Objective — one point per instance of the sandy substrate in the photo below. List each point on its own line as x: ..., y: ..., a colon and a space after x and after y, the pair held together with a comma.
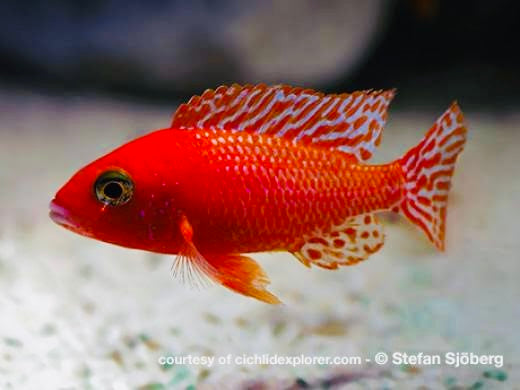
x: 76, y: 313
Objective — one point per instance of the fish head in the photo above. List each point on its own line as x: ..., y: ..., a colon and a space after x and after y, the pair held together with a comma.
x: 122, y: 198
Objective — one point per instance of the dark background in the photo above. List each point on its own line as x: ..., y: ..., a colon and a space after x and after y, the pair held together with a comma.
x: 431, y: 50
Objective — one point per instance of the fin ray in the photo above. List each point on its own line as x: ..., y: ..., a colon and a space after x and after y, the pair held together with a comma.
x: 191, y: 268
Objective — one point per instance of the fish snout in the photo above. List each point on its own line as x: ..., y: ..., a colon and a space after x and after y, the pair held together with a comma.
x: 61, y: 215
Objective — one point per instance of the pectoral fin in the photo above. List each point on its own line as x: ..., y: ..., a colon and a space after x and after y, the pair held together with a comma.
x: 190, y: 266
x: 238, y: 273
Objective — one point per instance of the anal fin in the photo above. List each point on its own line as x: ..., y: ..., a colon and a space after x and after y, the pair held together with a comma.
x: 346, y: 244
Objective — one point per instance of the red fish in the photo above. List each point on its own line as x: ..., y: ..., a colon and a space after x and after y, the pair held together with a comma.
x: 257, y: 168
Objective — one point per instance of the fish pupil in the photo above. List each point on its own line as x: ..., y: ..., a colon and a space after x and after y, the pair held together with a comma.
x: 113, y: 190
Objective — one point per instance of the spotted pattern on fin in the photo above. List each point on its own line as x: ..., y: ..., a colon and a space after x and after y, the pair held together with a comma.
x: 346, y: 244
x: 351, y: 123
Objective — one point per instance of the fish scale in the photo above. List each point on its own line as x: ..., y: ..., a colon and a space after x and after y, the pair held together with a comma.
x: 326, y: 189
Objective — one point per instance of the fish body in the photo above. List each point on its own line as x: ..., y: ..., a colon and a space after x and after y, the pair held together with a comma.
x: 257, y: 168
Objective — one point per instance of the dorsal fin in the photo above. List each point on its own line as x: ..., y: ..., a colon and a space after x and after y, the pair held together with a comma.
x: 351, y: 123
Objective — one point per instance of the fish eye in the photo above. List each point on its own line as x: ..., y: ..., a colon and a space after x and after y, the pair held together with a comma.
x: 114, y: 188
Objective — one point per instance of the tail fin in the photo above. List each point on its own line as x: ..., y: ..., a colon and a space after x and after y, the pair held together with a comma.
x: 428, y: 168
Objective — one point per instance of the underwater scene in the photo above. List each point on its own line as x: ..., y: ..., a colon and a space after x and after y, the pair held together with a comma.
x: 214, y: 195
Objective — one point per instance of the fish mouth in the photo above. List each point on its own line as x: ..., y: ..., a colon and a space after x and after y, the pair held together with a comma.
x: 61, y: 216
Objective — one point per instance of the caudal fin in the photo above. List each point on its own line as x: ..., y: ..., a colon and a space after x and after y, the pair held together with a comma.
x: 428, y: 168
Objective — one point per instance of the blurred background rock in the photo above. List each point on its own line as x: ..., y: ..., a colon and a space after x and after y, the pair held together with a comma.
x: 164, y: 49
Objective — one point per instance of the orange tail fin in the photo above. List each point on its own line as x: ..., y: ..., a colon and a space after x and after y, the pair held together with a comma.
x: 428, y: 168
